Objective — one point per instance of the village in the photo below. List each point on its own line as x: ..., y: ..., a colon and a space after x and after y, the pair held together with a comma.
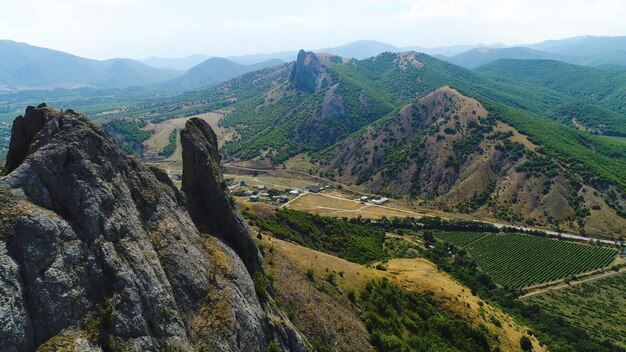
x: 282, y: 196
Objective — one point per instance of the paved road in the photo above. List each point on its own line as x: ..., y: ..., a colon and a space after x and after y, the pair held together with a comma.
x: 416, y: 214
x: 562, y: 234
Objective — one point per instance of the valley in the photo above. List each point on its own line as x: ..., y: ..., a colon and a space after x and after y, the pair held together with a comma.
x: 363, y: 198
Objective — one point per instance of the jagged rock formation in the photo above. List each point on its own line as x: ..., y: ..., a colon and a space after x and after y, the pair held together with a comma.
x: 22, y: 134
x: 98, y: 252
x: 205, y: 189
x: 309, y: 74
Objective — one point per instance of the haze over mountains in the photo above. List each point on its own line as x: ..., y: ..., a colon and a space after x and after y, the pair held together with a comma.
x: 28, y: 67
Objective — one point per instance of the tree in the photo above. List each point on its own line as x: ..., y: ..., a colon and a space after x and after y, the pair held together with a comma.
x: 525, y: 343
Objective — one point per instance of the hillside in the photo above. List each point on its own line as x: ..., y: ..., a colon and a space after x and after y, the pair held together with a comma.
x: 481, y: 56
x: 588, y: 50
x: 447, y: 149
x: 179, y: 63
x: 212, y: 71
x: 320, y: 100
x: 29, y: 67
x: 127, y: 261
x: 604, y: 87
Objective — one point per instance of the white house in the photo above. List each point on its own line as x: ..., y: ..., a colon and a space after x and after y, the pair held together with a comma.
x: 380, y: 201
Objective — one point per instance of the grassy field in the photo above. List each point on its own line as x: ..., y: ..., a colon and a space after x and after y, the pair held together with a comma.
x: 516, y: 261
x: 599, y: 307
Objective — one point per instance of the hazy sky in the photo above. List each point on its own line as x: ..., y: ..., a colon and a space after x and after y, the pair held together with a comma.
x: 172, y: 28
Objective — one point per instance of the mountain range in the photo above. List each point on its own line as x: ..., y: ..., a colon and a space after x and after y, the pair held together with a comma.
x: 28, y: 67
x: 407, y: 124
x: 588, y: 51
x: 106, y: 248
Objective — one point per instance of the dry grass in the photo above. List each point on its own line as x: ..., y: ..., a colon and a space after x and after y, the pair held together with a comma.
x: 300, y: 162
x: 334, y: 204
x: 517, y: 137
x: 317, y: 307
x: 422, y: 275
x: 162, y: 131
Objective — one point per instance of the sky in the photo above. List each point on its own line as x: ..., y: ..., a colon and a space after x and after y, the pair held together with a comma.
x: 104, y: 29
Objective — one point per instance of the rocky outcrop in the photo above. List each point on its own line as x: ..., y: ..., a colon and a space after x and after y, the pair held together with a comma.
x: 98, y: 252
x: 210, y: 207
x: 23, y: 132
x: 309, y: 74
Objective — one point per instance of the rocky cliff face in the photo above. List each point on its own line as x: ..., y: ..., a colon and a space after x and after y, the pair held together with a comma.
x: 98, y: 251
x: 310, y: 73
x: 207, y: 194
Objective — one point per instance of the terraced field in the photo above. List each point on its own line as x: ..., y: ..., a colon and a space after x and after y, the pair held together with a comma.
x: 516, y: 261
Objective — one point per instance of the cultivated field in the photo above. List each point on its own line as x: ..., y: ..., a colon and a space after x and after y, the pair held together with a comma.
x: 516, y: 261
x: 460, y: 238
x: 599, y: 307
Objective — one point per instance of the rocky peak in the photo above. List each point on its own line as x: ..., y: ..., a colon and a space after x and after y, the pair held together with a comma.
x: 208, y: 201
x: 309, y: 73
x: 23, y: 133
x: 98, y: 251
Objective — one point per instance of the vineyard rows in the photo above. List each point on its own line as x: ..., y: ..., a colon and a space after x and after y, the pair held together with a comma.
x: 515, y: 260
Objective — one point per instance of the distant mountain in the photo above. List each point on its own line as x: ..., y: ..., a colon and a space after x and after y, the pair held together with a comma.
x: 450, y: 50
x: 252, y: 59
x: 179, y: 63
x: 213, y: 71
x: 30, y: 67
x: 589, y: 50
x: 480, y: 56
x: 361, y: 49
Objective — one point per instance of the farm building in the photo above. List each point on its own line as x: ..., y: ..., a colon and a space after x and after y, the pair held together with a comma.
x: 380, y: 201
x: 295, y: 192
x: 282, y: 199
x: 254, y: 198
x: 314, y: 189
x: 248, y: 193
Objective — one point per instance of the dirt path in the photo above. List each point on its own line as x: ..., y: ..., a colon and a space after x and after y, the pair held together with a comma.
x: 573, y: 283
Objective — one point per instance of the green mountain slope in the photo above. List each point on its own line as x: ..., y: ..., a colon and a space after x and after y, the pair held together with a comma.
x: 212, y: 71
x: 589, y: 50
x: 521, y: 161
x: 603, y: 87
x: 27, y: 66
x: 481, y: 56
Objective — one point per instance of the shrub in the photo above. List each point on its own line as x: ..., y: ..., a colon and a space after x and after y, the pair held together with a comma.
x: 525, y: 343
x: 310, y: 275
